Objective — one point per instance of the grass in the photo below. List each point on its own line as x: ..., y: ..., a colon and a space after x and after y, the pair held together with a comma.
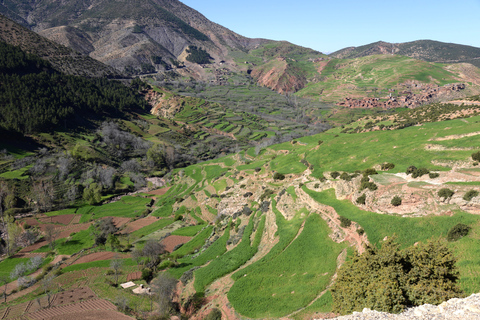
x: 190, y: 231
x: 407, y: 230
x: 231, y: 260
x: 213, y: 251
x: 196, y: 243
x: 128, y: 206
x: 97, y: 264
x: 292, y: 278
x: 80, y: 240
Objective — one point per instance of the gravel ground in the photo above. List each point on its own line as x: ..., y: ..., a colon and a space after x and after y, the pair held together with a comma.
x: 453, y: 309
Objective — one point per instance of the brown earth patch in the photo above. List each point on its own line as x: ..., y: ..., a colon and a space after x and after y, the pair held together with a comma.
x: 139, y: 224
x: 62, y: 219
x: 159, y: 192
x: 94, y: 315
x: 171, y: 242
x: 120, y: 221
x: 97, y: 256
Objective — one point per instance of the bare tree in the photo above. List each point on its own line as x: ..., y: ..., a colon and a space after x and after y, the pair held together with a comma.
x: 163, y: 289
x: 47, y: 286
x: 51, y: 235
x: 44, y: 194
x: 4, y: 280
x: 116, y: 265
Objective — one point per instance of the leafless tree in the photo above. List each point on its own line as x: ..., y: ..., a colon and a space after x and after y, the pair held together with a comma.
x: 116, y: 264
x: 51, y: 235
x: 163, y: 289
x: 44, y: 194
x: 4, y: 280
x: 48, y: 286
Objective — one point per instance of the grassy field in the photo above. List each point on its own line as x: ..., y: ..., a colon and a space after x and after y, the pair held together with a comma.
x: 290, y: 279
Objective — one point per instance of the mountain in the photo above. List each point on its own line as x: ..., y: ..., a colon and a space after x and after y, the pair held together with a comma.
x: 63, y: 59
x: 427, y: 50
x: 159, y: 36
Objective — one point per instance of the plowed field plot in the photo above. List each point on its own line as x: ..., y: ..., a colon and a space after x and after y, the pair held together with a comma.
x: 159, y: 192
x: 94, y: 315
x: 139, y: 224
x: 32, y: 222
x: 97, y: 256
x: 62, y: 219
x: 73, y: 296
x: 120, y: 221
x: 171, y: 242
x: 64, y: 311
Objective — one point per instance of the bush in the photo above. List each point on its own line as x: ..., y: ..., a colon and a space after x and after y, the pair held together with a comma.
x: 387, y: 166
x: 411, y: 169
x: 345, y: 222
x: 361, y: 231
x: 147, y: 275
x: 361, y: 199
x: 278, y: 176
x: 396, y: 201
x: 420, y: 172
x: 317, y: 185
x: 320, y: 142
x: 369, y: 172
x: 215, y: 314
x: 346, y: 177
x: 334, y: 174
x: 470, y: 195
x: 368, y: 185
x: 458, y: 231
x: 476, y: 156
x: 389, y: 279
x: 433, y: 175
x: 445, y: 193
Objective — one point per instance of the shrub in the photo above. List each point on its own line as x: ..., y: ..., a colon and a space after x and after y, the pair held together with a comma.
x: 411, y: 169
x: 345, y: 176
x: 334, y: 174
x: 345, y: 222
x: 320, y: 142
x: 278, y: 176
x: 420, y: 172
x: 445, y: 193
x: 470, y: 195
x: 360, y: 232
x: 387, y: 166
x: 389, y: 279
x: 433, y: 175
x: 147, y: 275
x: 215, y: 314
x: 475, y: 163
x: 476, y: 156
x: 458, y: 231
x: 317, y: 185
x: 366, y: 184
x: 396, y: 201
x: 258, y: 169
x: 369, y: 172
x: 361, y: 199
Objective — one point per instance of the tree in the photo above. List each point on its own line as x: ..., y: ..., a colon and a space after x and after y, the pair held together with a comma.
x: 51, y: 235
x: 476, y: 156
x: 116, y: 265
x: 152, y: 251
x: 47, y: 286
x: 4, y: 280
x: 445, y: 193
x: 396, y: 201
x: 163, y: 289
x: 44, y: 194
x: 113, y: 241
x: 92, y: 194
x: 389, y: 279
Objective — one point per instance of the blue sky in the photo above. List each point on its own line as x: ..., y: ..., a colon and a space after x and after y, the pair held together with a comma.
x: 328, y: 26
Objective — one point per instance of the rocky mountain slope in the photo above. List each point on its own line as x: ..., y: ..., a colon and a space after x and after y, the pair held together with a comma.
x: 427, y: 50
x: 62, y: 58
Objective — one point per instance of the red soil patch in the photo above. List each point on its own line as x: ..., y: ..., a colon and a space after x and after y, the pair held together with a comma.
x: 120, y: 221
x: 73, y: 296
x: 95, y: 314
x: 62, y: 219
x: 159, y: 192
x: 134, y: 276
x: 139, y: 224
x: 171, y: 242
x: 32, y: 222
x: 97, y: 256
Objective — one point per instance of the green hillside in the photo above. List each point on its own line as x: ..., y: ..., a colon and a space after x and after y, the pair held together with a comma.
x: 369, y: 76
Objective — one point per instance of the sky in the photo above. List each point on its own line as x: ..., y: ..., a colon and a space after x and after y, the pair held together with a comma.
x: 328, y: 26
